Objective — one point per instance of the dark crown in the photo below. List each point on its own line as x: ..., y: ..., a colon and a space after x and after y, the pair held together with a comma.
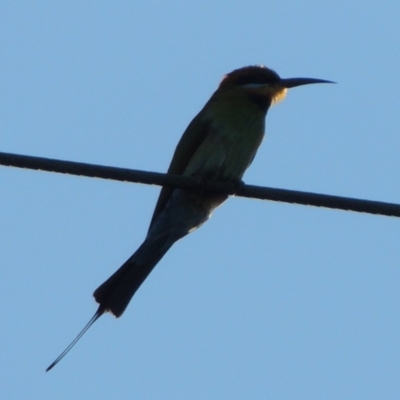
x: 250, y: 75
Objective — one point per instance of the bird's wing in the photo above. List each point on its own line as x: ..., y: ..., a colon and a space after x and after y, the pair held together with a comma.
x: 190, y: 141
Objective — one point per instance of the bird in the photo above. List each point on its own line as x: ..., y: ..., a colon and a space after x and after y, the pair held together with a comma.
x: 218, y: 145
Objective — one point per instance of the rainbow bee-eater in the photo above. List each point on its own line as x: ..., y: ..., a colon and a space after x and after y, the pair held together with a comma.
x: 218, y: 145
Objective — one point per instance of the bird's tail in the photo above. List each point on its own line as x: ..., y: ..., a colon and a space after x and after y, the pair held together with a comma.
x: 117, y: 291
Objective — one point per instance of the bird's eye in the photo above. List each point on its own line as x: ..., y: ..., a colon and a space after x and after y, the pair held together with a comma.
x: 254, y: 85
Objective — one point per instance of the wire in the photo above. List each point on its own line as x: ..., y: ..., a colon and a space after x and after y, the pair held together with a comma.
x: 242, y: 190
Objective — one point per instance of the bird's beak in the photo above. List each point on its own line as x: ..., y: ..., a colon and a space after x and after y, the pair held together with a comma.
x: 293, y: 82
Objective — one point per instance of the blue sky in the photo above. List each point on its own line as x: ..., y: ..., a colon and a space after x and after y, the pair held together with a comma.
x: 264, y: 301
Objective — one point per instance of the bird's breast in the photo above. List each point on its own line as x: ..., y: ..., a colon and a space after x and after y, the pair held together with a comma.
x: 227, y: 150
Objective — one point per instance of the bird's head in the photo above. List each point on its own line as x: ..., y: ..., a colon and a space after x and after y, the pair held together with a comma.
x: 262, y: 84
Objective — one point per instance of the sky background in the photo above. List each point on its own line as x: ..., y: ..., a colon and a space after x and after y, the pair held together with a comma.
x: 266, y: 300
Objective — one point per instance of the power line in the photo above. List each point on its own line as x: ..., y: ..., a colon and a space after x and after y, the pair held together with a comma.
x: 155, y: 178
